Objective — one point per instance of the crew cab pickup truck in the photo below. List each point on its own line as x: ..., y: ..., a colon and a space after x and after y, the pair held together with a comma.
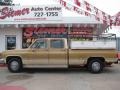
x: 59, y: 53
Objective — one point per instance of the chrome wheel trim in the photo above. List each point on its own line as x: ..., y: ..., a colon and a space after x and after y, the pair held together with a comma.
x: 95, y: 66
x: 14, y: 65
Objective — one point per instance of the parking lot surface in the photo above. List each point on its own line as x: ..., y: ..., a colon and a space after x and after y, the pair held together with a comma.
x: 60, y: 79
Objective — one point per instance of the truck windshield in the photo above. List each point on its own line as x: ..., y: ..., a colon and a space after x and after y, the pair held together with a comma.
x: 39, y: 44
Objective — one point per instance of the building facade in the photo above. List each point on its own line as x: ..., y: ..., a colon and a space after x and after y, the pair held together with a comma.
x: 23, y: 25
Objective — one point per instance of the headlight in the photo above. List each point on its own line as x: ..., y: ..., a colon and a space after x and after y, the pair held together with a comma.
x: 0, y: 55
x: 1, y: 59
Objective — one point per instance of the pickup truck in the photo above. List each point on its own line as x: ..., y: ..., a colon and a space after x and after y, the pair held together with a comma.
x: 59, y: 53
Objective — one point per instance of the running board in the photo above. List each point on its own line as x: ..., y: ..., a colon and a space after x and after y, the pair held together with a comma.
x: 45, y: 66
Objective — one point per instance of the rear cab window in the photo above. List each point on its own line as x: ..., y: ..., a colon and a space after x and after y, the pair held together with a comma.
x: 56, y: 43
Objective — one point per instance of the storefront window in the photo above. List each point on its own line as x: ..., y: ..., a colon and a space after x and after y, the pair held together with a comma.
x: 30, y: 34
x: 81, y: 33
x: 10, y: 42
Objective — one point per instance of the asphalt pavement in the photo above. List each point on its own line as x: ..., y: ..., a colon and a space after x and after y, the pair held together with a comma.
x: 60, y: 79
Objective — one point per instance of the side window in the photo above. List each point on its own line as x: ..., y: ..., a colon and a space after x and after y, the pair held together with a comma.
x: 39, y: 44
x: 57, y: 44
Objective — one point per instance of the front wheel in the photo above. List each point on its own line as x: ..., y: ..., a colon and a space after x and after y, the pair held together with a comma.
x: 95, y: 66
x: 14, y: 65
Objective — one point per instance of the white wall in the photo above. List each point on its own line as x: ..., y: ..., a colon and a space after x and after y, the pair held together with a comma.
x: 115, y: 30
x: 10, y: 31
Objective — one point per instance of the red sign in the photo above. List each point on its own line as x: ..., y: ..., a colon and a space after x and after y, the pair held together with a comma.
x: 9, y: 12
x: 29, y: 32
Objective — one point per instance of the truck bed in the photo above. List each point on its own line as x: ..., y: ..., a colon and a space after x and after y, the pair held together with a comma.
x: 110, y: 44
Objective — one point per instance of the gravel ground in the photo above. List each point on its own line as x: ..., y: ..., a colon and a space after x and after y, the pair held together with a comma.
x: 51, y: 79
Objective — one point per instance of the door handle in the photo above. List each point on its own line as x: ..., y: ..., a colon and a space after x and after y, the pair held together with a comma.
x: 33, y: 50
x: 63, y: 50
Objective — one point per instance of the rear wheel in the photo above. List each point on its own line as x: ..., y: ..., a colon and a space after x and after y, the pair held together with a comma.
x: 95, y: 66
x: 14, y: 65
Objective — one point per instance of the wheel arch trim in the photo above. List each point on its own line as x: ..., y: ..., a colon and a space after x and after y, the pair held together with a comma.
x: 10, y: 56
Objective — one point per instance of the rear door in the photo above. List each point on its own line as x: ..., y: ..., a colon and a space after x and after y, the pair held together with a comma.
x: 57, y: 53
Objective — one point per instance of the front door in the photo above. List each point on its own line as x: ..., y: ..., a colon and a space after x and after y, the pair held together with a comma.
x: 57, y: 53
x: 37, y: 54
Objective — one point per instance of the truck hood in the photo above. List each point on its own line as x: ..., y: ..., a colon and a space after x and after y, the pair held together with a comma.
x: 14, y: 51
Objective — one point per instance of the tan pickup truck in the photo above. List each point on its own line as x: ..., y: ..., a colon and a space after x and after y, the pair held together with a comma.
x: 57, y: 53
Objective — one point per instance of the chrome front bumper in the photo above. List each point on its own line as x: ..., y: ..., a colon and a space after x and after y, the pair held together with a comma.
x: 118, y: 61
x: 2, y: 61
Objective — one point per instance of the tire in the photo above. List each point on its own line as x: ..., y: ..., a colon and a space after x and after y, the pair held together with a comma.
x: 95, y: 66
x: 15, y: 65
